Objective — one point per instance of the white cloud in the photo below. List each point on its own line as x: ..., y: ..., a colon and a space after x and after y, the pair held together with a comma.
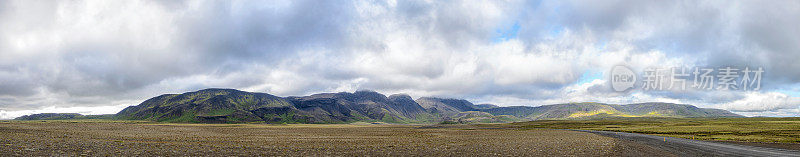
x: 775, y: 113
x: 95, y: 53
x: 760, y: 102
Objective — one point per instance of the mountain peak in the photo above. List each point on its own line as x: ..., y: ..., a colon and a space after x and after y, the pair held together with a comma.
x: 219, y: 90
x: 400, y: 96
x: 446, y: 106
x: 367, y: 92
x: 220, y: 105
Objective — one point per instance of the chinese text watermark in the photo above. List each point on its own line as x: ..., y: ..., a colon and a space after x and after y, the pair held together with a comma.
x: 682, y: 78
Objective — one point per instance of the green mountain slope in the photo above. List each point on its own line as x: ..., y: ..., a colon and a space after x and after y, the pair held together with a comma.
x: 483, y: 117
x: 657, y: 109
x: 362, y: 106
x: 600, y: 110
x: 206, y: 106
x: 234, y: 106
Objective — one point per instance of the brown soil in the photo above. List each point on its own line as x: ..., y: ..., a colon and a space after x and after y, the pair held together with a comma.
x: 105, y: 139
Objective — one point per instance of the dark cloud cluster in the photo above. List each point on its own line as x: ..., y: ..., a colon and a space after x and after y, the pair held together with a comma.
x: 83, y: 54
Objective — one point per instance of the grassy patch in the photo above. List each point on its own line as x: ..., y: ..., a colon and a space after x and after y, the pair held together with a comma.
x: 785, y: 130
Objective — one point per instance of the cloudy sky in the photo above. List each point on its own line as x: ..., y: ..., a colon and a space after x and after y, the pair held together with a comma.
x: 96, y: 57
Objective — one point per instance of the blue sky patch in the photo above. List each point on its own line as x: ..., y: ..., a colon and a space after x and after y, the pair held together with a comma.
x: 506, y: 33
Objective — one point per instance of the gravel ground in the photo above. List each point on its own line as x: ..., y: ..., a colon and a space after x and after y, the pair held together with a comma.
x: 114, y: 139
x: 688, y: 147
x: 787, y: 146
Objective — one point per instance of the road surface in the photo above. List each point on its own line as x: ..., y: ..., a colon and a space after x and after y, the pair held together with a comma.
x: 687, y: 147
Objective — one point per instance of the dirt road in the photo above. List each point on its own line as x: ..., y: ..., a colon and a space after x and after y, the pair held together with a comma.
x: 688, y: 147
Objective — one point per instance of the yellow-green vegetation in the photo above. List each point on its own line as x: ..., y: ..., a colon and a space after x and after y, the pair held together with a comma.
x: 654, y: 114
x: 597, y: 112
x: 785, y: 130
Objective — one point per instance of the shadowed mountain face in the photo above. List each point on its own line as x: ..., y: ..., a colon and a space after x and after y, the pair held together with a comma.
x: 361, y: 106
x: 234, y: 106
x: 407, y: 106
x: 446, y: 107
x: 208, y: 106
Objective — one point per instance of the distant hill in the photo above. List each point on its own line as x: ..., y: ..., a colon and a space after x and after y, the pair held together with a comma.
x: 599, y: 110
x: 483, y: 117
x: 49, y: 116
x: 658, y: 109
x: 235, y: 106
x: 62, y: 116
x: 517, y: 111
x: 485, y: 106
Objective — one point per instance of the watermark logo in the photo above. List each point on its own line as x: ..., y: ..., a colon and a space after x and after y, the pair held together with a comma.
x: 622, y: 78
x: 681, y: 78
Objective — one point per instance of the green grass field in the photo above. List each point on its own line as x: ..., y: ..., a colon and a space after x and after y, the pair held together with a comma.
x: 784, y: 130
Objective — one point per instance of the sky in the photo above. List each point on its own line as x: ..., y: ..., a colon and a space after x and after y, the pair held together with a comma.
x: 98, y: 57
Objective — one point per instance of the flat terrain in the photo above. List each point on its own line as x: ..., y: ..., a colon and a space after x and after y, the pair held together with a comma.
x: 102, y: 138
x: 766, y: 131
x: 688, y: 147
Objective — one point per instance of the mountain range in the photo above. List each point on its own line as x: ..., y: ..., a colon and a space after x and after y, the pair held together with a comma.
x: 235, y: 106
